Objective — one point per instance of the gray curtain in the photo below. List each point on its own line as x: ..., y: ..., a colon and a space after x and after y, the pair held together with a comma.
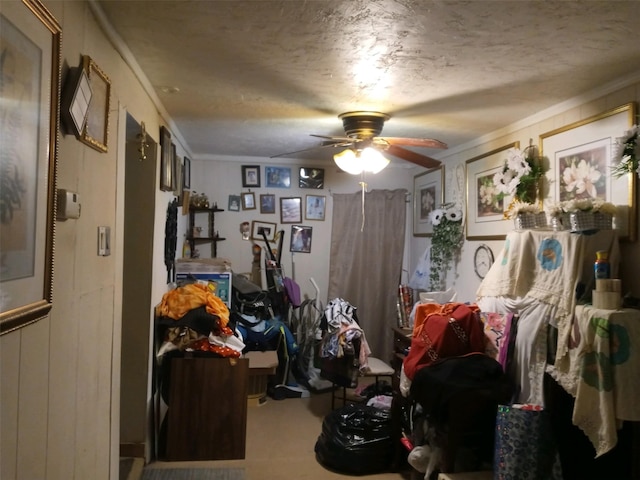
x: 366, y: 261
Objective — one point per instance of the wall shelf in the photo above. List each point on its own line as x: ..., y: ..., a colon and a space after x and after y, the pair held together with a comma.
x: 211, y: 233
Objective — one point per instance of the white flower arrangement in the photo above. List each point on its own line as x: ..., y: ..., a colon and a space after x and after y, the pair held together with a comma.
x: 581, y: 205
x: 626, y: 156
x: 521, y: 208
x: 520, y: 174
x: 446, y: 241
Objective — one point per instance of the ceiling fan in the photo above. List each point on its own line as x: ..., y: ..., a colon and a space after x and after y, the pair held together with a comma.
x: 362, y: 129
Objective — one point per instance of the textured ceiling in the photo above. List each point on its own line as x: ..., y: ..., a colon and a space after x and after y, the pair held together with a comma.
x: 256, y: 78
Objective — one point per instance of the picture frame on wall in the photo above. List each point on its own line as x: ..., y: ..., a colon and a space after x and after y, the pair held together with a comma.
x: 485, y: 210
x: 268, y: 228
x: 248, y: 201
x: 234, y: 203
x: 75, y: 100
x: 277, y: 177
x: 301, y: 237
x: 589, y: 144
x: 174, y: 168
x: 290, y: 210
x: 311, y: 178
x: 428, y: 194
x: 251, y: 175
x: 166, y: 160
x: 315, y: 207
x: 186, y: 176
x: 33, y: 39
x: 96, y: 128
x: 267, y: 203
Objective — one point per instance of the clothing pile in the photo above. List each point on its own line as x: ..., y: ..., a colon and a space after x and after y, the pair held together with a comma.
x: 195, y: 319
x: 344, y: 350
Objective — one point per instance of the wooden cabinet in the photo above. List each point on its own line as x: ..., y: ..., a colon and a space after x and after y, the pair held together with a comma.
x: 211, y: 234
x: 207, y: 410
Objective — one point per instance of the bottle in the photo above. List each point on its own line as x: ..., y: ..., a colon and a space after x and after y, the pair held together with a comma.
x: 601, y: 265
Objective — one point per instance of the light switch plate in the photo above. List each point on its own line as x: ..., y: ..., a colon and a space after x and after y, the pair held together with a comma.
x: 104, y: 241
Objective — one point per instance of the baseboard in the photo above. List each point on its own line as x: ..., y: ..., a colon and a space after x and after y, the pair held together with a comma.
x: 135, y: 450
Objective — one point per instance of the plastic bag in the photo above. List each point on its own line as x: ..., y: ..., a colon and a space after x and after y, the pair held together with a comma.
x: 420, y: 278
x: 356, y: 439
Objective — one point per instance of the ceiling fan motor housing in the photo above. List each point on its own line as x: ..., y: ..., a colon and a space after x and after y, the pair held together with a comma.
x: 363, y: 124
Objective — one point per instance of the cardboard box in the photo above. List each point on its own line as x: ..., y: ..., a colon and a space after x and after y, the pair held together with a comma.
x: 222, y: 282
x: 261, y: 365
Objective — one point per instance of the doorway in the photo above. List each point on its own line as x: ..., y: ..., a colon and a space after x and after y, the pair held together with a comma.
x: 139, y: 202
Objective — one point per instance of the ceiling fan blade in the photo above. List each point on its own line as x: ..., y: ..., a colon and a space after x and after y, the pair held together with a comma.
x: 411, y: 156
x: 414, y: 142
x: 336, y: 144
x: 335, y: 139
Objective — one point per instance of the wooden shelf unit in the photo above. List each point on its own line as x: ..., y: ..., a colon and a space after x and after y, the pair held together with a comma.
x: 211, y: 231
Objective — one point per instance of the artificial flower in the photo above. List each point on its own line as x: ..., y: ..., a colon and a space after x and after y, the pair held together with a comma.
x: 446, y: 241
x: 626, y: 156
x: 520, y: 174
x: 435, y: 216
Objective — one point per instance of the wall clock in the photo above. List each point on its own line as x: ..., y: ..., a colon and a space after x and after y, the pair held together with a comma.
x: 482, y: 260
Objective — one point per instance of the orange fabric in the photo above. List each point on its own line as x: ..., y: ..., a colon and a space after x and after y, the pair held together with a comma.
x: 442, y: 331
x: 177, y: 302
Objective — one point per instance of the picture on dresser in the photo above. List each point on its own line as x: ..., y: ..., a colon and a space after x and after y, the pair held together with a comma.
x: 485, y: 207
x: 581, y: 157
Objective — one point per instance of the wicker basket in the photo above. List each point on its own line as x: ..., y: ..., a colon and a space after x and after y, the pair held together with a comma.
x: 529, y: 221
x: 580, y: 221
x: 603, y: 221
x: 560, y: 222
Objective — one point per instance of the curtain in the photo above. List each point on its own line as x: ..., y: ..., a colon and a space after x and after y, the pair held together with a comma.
x: 366, y: 260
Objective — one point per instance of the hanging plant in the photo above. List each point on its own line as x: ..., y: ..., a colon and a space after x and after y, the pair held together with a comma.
x: 445, y: 243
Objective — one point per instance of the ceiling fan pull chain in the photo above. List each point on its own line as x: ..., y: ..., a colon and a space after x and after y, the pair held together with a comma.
x: 363, y: 184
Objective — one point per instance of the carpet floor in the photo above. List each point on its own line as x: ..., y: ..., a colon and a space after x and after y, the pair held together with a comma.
x: 193, y: 474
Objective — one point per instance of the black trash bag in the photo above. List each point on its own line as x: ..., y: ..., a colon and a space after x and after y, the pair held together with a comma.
x: 356, y: 439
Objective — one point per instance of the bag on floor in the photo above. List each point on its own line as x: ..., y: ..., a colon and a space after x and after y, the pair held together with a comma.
x: 356, y: 439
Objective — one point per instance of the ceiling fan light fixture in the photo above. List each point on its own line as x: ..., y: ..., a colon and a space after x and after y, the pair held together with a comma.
x: 356, y: 162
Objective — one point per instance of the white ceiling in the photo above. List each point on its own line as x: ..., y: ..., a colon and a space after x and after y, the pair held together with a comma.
x: 256, y: 78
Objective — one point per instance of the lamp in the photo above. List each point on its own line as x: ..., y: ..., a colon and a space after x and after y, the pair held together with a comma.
x: 358, y: 161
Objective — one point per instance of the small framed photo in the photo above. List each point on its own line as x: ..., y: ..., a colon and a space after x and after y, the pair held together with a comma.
x: 96, y: 127
x: 314, y: 207
x: 290, y: 210
x: 277, y: 177
x: 311, y: 178
x: 166, y: 160
x: 267, y: 203
x: 300, y: 239
x: 258, y: 228
x: 248, y: 201
x: 234, y: 203
x: 251, y: 175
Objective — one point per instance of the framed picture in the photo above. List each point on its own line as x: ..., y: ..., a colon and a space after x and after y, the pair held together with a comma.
x: 75, y: 100
x: 251, y: 176
x: 277, y: 177
x: 248, y: 201
x: 179, y: 172
x: 186, y: 174
x: 311, y: 177
x: 314, y: 207
x: 234, y: 203
x: 269, y: 229
x: 291, y: 210
x: 166, y: 160
x: 96, y: 128
x: 587, y: 147
x: 174, y: 168
x: 267, y: 203
x: 485, y: 211
x: 32, y: 39
x: 300, y: 239
x: 428, y: 195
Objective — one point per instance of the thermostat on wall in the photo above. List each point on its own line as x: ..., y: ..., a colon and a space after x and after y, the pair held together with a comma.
x: 68, y: 205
